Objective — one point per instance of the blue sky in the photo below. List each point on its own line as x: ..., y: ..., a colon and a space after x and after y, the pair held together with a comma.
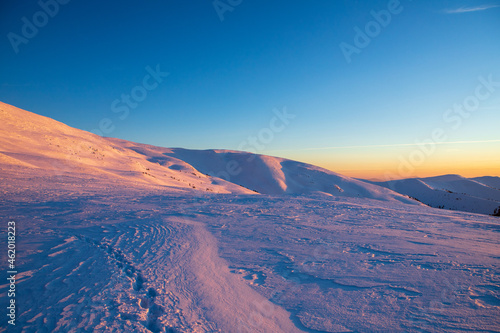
x: 227, y: 76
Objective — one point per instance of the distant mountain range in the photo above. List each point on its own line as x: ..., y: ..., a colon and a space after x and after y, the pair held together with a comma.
x: 477, y: 195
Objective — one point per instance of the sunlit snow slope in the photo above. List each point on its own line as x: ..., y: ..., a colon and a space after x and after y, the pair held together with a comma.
x: 40, y: 147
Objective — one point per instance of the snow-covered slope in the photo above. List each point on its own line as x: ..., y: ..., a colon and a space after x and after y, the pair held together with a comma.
x: 115, y: 236
x: 32, y: 146
x: 181, y: 262
x: 493, y: 182
x: 476, y: 195
x: 36, y: 146
x: 274, y: 175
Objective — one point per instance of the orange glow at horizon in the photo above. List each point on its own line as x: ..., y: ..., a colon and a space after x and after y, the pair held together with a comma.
x: 379, y: 175
x: 387, y: 163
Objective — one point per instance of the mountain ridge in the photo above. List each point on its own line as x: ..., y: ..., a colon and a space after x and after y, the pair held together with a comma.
x: 48, y: 151
x: 475, y: 195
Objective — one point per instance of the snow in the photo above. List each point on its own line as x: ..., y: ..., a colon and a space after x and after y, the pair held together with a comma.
x: 493, y: 182
x: 232, y: 263
x: 110, y: 242
x: 476, y: 195
x: 273, y: 175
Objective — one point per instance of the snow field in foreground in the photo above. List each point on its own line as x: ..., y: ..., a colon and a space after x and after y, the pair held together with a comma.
x: 246, y: 263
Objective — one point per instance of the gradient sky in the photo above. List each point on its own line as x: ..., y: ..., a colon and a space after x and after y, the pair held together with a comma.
x: 234, y: 64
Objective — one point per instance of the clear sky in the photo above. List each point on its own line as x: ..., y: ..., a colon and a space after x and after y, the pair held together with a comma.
x: 352, y: 86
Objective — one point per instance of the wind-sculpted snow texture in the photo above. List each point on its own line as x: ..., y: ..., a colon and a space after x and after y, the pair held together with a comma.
x: 114, y: 236
x: 245, y: 263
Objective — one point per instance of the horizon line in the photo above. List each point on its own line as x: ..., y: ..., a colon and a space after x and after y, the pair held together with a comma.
x: 388, y: 145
